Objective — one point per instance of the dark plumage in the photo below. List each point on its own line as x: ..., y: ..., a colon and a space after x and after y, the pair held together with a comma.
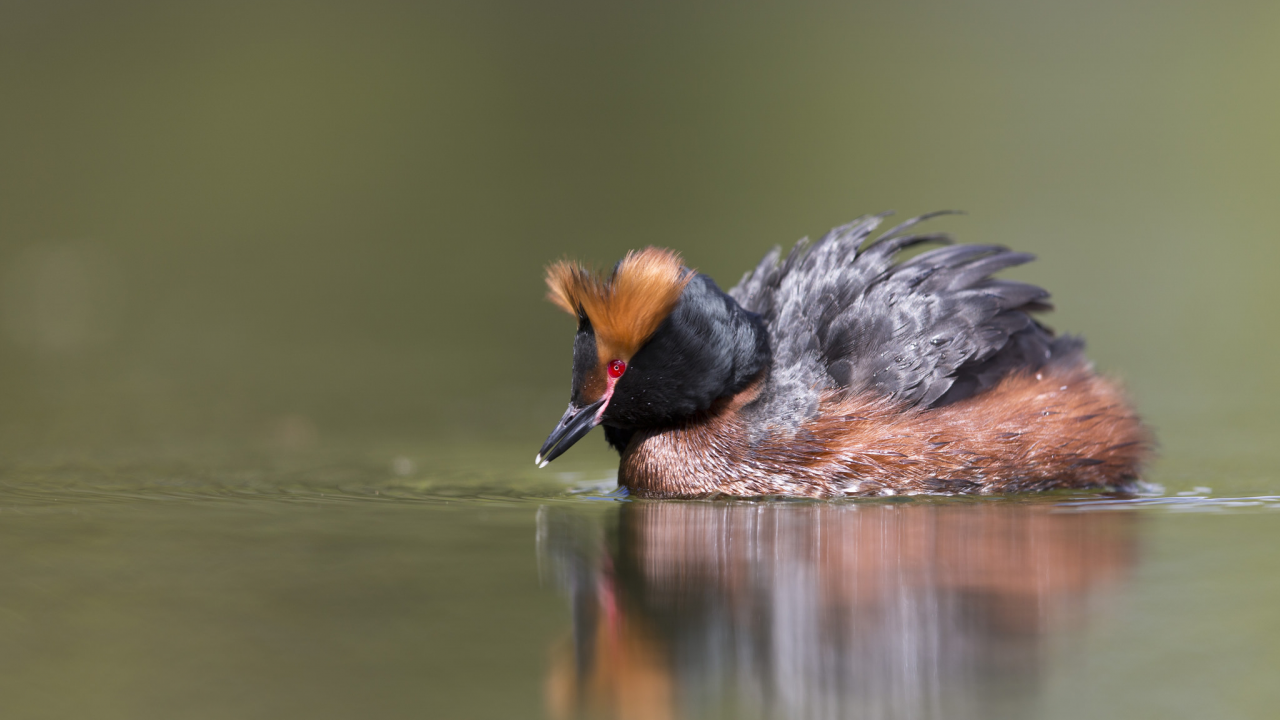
x: 839, y: 371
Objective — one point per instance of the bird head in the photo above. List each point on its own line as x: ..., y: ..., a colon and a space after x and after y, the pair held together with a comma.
x: 655, y: 342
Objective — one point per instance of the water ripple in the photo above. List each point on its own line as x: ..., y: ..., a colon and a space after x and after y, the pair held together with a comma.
x: 73, y: 485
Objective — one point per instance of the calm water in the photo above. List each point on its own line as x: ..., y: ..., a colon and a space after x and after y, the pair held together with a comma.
x: 320, y: 585
x: 274, y: 362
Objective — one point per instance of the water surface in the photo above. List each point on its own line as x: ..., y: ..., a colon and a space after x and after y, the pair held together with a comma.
x: 346, y: 587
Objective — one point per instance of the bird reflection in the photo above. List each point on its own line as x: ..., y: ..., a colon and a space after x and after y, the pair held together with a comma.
x: 800, y: 610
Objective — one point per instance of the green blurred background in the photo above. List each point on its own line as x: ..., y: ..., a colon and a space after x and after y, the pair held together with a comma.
x: 314, y: 220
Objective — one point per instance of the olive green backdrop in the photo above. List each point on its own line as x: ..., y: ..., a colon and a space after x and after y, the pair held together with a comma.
x: 228, y: 220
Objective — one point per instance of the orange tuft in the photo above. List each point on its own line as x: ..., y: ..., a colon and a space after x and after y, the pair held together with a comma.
x: 626, y: 308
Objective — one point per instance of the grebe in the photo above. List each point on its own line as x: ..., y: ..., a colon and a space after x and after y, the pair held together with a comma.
x: 838, y: 371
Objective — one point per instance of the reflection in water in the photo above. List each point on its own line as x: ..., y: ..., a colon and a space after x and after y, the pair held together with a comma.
x: 803, y: 610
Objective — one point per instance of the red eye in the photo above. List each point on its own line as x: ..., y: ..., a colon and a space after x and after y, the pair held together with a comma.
x: 616, y: 368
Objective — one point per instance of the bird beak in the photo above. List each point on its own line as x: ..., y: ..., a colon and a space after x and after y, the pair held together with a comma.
x: 575, y: 424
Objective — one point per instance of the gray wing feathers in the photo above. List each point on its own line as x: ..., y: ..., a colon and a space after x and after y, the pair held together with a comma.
x: 843, y: 313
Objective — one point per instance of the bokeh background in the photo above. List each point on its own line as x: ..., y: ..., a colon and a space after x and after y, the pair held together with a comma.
x: 304, y: 222
x: 278, y: 250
